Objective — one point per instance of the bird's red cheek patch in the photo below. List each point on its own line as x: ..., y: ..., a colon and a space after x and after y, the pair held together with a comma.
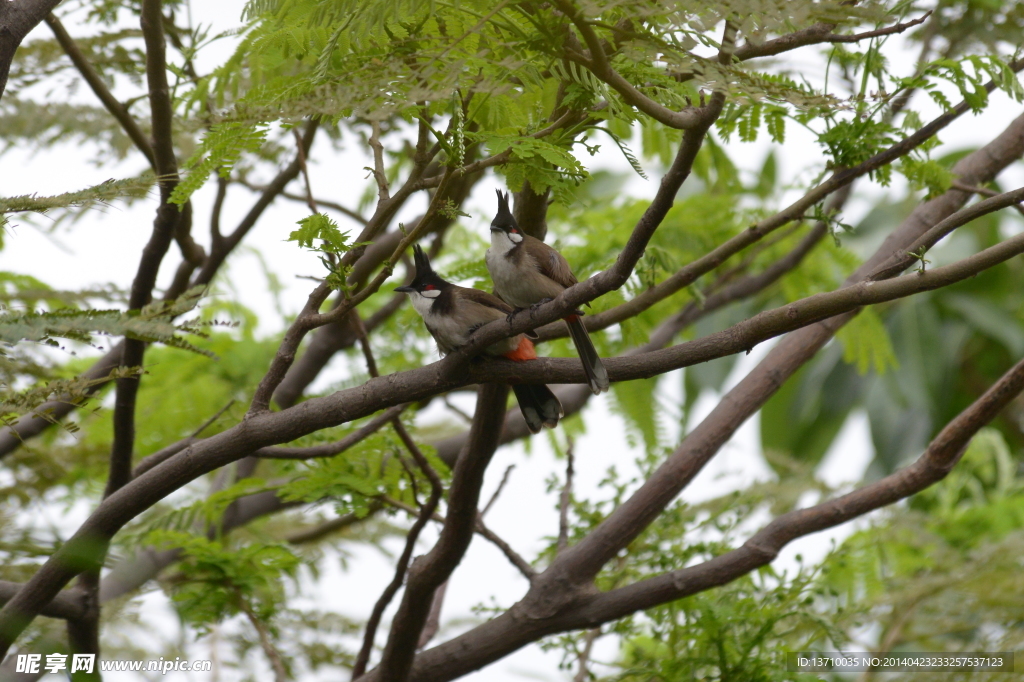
x: 525, y: 351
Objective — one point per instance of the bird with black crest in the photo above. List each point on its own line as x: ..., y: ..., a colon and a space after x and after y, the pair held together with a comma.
x: 452, y: 313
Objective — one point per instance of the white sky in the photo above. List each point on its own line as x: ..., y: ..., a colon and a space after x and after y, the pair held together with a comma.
x: 104, y: 247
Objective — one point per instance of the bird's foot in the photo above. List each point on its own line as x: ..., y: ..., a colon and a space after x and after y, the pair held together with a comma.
x: 538, y: 304
x: 512, y: 315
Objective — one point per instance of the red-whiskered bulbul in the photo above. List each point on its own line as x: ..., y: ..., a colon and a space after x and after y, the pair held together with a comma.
x: 527, y: 272
x: 452, y: 313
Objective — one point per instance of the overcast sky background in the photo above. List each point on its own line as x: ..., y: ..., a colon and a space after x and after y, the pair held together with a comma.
x: 104, y: 247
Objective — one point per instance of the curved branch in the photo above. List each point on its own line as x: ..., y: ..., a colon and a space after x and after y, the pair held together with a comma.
x: 687, y: 119
x: 937, y: 461
x: 116, y: 109
x: 18, y: 19
x: 817, y: 34
x: 428, y: 573
x: 556, y: 590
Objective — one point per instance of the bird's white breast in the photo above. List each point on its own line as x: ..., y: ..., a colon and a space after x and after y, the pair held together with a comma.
x: 447, y: 330
x: 505, y: 273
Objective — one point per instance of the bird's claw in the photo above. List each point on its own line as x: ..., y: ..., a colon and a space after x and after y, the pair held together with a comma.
x: 539, y: 304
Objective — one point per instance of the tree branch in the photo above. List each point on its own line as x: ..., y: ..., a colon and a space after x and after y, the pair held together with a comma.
x: 555, y: 591
x: 173, y: 449
x: 17, y: 19
x: 428, y: 573
x: 937, y: 461
x: 564, y: 499
x: 598, y: 64
x: 574, y: 297
x: 95, y: 82
x: 337, y: 447
x: 428, y: 509
x: 817, y: 34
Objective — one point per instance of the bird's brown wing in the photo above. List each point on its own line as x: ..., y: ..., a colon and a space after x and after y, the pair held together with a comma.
x: 551, y: 263
x: 491, y: 301
x: 485, y: 299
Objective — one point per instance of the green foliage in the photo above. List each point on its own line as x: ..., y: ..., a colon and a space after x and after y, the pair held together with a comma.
x: 333, y: 243
x: 221, y: 149
x: 741, y: 632
x: 152, y: 323
x: 74, y: 391
x: 89, y: 197
x: 355, y: 480
x: 926, y: 175
x: 218, y: 581
x: 637, y: 403
x: 866, y: 343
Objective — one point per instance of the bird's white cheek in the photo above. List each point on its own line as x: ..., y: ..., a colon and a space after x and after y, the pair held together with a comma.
x: 421, y: 303
x: 515, y: 237
x: 431, y: 294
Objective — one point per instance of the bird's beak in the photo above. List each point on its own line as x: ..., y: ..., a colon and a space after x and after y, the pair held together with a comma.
x: 405, y: 289
x: 495, y: 228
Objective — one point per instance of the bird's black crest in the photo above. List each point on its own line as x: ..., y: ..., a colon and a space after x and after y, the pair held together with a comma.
x: 503, y: 209
x: 422, y: 262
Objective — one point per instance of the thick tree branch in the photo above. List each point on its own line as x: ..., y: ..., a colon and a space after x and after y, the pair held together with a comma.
x: 17, y: 19
x: 937, y: 461
x: 337, y: 447
x: 519, y: 625
x: 590, y: 289
x: 429, y: 572
x: 555, y: 591
x: 173, y: 449
x: 318, y: 413
x: 69, y: 604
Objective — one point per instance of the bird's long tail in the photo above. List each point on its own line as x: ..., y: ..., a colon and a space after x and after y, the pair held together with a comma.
x: 597, y: 375
x: 540, y: 407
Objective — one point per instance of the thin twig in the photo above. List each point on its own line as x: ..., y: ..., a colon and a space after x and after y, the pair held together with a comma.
x: 513, y: 556
x: 273, y: 655
x: 480, y: 529
x: 338, y: 446
x: 173, y: 449
x: 433, y: 623
x: 497, y: 491
x: 565, y: 498
x: 326, y: 528
x: 301, y: 155
x: 583, y: 674
x: 983, y: 191
x: 455, y: 408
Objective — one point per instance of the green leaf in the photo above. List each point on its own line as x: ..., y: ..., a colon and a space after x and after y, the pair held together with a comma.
x: 866, y: 343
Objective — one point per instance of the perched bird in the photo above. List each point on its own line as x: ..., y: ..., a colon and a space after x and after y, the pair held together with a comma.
x: 452, y: 313
x: 528, y: 272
